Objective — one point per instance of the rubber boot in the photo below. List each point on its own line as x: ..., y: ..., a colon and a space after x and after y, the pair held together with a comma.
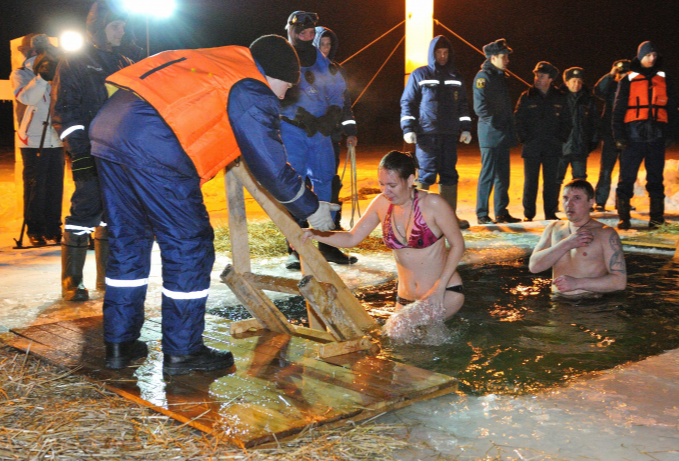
x: 657, y: 212
x: 73, y: 254
x: 449, y: 194
x: 101, y: 253
x: 334, y: 255
x: 623, y: 213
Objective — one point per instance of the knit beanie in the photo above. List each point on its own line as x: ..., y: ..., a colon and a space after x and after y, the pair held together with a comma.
x: 277, y: 57
x: 645, y: 48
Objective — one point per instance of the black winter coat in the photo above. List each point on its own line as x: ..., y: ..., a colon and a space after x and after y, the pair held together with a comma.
x: 543, y: 122
x: 585, y: 120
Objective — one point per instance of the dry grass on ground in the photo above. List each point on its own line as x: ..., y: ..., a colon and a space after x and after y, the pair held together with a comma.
x: 51, y: 413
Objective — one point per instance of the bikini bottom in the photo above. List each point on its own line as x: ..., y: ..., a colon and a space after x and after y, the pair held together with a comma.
x: 453, y: 288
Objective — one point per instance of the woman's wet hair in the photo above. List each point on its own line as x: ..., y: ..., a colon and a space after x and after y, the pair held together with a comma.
x: 403, y: 163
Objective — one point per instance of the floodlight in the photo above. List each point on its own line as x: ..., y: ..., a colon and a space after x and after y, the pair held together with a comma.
x: 71, y: 41
x: 157, y: 8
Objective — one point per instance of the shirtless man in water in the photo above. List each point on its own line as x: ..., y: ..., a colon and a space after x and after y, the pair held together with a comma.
x: 585, y: 255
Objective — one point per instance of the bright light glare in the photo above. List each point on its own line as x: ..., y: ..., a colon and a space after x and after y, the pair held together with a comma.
x: 158, y: 8
x: 71, y: 41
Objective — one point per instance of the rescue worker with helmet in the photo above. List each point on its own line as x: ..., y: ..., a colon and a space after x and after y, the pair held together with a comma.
x: 311, y: 111
x: 644, y: 125
x: 177, y: 119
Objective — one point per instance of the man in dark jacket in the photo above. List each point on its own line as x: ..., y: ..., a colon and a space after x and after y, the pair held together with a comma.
x: 543, y: 123
x: 497, y: 135
x: 78, y: 92
x: 644, y: 124
x: 605, y: 90
x: 434, y: 113
x: 585, y: 126
x: 155, y: 145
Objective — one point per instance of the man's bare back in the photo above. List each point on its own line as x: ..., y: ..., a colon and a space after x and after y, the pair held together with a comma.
x: 585, y: 255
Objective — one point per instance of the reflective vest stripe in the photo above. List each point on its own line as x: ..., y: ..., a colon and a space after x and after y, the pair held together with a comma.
x: 428, y: 82
x: 126, y: 283
x: 182, y: 295
x: 453, y: 82
x: 70, y: 130
x: 407, y: 117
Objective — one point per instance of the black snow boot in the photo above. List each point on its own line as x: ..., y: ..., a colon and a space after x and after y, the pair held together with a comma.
x: 624, y: 213
x: 73, y: 254
x: 101, y: 254
x: 206, y: 359
x: 657, y: 212
x: 119, y: 355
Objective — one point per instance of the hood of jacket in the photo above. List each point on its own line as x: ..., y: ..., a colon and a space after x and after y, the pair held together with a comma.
x: 334, y: 41
x: 102, y: 14
x: 440, y: 42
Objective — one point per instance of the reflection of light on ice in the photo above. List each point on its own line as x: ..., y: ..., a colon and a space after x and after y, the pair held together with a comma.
x: 670, y: 180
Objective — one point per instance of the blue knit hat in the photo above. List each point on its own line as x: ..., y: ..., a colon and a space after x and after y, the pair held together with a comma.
x: 646, y: 48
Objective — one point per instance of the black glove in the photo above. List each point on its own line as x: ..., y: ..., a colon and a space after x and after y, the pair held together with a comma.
x: 306, y: 121
x: 45, y: 65
x: 82, y: 166
x: 327, y: 123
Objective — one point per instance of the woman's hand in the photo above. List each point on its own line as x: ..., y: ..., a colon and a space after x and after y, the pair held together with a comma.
x: 308, y: 235
x: 434, y: 297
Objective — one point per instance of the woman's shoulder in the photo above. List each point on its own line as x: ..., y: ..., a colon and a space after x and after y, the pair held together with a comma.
x: 429, y: 200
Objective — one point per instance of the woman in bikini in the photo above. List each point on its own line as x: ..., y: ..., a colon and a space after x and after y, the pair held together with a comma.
x: 414, y: 223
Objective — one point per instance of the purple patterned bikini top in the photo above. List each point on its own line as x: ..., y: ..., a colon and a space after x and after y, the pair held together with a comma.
x: 420, y: 235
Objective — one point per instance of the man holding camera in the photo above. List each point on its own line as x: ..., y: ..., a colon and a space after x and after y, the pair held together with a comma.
x: 41, y: 150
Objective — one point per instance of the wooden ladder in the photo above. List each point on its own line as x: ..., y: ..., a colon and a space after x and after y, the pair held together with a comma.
x: 338, y: 321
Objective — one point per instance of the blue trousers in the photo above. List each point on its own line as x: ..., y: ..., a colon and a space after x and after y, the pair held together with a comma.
x: 43, y: 190
x: 550, y: 189
x: 494, y: 172
x: 653, y: 156
x: 142, y: 205
x: 437, y: 155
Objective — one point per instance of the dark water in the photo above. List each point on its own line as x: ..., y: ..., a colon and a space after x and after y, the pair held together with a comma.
x: 510, y: 337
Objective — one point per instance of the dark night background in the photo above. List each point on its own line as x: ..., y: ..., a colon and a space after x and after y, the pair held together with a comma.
x: 591, y: 34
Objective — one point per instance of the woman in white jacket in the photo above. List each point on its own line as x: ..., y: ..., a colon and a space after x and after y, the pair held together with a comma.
x: 43, y: 172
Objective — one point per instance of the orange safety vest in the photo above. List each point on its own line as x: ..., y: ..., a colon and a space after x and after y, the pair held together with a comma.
x: 647, y: 98
x: 190, y: 90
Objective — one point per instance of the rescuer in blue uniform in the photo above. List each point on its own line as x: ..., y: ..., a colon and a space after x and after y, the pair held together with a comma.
x: 151, y: 165
x: 493, y: 106
x: 311, y: 111
x: 78, y: 92
x: 644, y: 125
x: 434, y: 110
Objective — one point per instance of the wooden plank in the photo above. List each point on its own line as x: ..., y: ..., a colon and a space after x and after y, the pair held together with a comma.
x: 256, y: 302
x: 322, y: 298
x: 317, y: 263
x: 238, y: 223
x: 347, y: 347
x: 273, y: 283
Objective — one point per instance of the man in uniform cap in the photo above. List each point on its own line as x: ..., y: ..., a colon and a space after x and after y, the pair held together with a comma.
x: 584, y: 136
x: 605, y: 90
x: 543, y: 123
x: 162, y: 135
x: 644, y: 125
x: 493, y: 106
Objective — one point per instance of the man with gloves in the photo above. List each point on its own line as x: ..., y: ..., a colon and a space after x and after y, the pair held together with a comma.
x: 311, y: 111
x: 176, y: 120
x: 41, y: 150
x: 644, y: 125
x: 78, y: 93
x: 434, y: 111
x: 493, y: 106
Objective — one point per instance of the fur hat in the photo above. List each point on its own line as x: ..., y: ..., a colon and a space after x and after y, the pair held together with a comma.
x: 573, y: 72
x: 277, y: 57
x: 497, y: 47
x: 543, y: 67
